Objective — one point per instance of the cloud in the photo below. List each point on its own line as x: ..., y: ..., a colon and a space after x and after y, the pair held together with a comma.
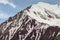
x: 5, y: 2
x: 4, y: 15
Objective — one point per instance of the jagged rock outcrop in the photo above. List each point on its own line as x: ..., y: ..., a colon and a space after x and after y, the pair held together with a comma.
x: 40, y: 21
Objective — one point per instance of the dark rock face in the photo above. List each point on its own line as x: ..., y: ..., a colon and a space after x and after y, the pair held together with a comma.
x: 23, y: 27
x: 30, y: 30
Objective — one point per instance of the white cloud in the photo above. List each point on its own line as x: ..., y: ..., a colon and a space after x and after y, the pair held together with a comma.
x: 7, y: 2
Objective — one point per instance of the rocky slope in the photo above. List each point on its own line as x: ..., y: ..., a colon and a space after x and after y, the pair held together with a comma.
x: 40, y: 21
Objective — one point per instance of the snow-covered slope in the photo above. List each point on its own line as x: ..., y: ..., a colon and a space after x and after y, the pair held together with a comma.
x: 44, y: 10
x: 40, y: 21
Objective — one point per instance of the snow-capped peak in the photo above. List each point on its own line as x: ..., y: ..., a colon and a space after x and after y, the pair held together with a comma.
x: 45, y: 13
x: 40, y: 21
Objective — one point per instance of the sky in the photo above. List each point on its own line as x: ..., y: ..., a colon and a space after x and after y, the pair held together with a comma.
x: 11, y: 7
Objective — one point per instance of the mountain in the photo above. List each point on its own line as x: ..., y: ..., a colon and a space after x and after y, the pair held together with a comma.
x: 39, y: 21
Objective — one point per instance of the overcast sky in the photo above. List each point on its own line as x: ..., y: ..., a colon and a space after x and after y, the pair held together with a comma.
x: 11, y: 7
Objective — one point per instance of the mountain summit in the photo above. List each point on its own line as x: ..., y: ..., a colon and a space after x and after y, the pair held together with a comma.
x: 39, y: 21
